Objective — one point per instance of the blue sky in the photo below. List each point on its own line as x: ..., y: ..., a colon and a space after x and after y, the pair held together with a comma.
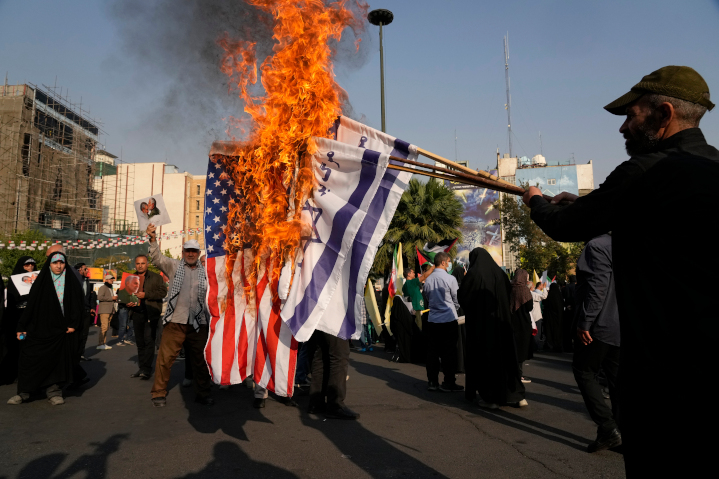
x: 444, y: 72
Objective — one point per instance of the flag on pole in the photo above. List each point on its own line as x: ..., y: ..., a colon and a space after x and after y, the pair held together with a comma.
x: 349, y: 218
x: 535, y: 278
x: 247, y: 335
x: 371, y: 304
x: 392, y: 289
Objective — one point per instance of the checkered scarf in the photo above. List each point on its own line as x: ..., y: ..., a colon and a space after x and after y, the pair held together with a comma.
x: 197, y: 311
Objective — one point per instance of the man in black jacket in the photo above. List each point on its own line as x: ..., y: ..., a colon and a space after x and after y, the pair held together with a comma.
x: 146, y: 314
x: 596, y: 327
x: 641, y: 203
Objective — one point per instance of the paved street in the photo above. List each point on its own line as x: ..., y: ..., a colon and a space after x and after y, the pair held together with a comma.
x: 110, y: 429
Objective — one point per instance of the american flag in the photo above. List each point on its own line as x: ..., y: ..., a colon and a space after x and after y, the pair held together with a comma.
x: 247, y: 335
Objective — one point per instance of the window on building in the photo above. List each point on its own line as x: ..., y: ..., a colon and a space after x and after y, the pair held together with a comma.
x: 198, y: 192
x: 197, y: 205
x: 197, y: 220
x: 552, y: 181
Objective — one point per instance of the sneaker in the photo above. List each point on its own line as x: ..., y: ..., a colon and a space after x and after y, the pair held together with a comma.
x: 451, y: 388
x: 120, y: 343
x: 526, y: 380
x: 56, y: 400
x: 159, y: 402
x: 17, y: 399
x: 128, y: 342
x: 432, y: 386
x: 186, y: 383
x: 104, y: 346
x: 523, y: 403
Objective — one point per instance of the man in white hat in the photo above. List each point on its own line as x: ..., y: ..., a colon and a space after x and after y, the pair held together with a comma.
x: 185, y: 321
x: 107, y: 298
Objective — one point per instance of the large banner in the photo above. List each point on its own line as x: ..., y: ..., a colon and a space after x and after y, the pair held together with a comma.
x: 481, y: 221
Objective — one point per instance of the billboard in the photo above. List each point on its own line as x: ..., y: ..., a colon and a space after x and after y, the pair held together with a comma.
x: 481, y: 221
x: 552, y: 180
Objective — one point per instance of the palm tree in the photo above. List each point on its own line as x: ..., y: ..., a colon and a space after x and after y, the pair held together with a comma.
x: 427, y: 213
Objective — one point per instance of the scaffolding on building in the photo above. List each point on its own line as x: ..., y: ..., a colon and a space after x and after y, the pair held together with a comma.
x: 55, y: 174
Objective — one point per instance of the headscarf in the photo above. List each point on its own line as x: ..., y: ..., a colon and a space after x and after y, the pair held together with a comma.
x: 520, y: 293
x: 554, y: 299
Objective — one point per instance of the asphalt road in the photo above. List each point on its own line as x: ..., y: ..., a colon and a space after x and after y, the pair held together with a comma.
x: 110, y: 429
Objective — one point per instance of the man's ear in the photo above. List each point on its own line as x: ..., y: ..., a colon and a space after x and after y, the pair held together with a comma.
x: 667, y: 114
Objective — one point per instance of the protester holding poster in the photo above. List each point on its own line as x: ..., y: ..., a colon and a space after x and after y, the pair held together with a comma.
x: 16, y: 304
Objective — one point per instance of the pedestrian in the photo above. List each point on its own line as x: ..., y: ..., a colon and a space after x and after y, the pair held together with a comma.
x: 554, y: 318
x: 491, y: 358
x: 48, y: 352
x: 328, y: 387
x: 596, y: 326
x: 145, y: 314
x: 635, y: 203
x: 442, y: 326
x: 14, y: 310
x: 185, y: 321
x: 107, y: 299
x: 539, y: 293
x: 89, y: 303
x: 520, y: 306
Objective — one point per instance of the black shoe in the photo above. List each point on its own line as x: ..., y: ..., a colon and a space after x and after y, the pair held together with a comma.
x: 606, y: 441
x: 258, y: 403
x: 432, y: 386
x: 136, y: 375
x: 145, y: 376
x: 317, y: 408
x: 287, y: 401
x: 341, y: 413
x: 204, y: 400
x: 159, y: 402
x: 451, y: 388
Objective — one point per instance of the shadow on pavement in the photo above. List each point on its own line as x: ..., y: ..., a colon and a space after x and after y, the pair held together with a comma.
x: 566, y: 388
x: 410, y: 385
x: 93, y: 465
x: 231, y: 461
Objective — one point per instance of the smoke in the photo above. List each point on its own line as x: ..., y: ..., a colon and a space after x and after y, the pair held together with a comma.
x: 171, y: 45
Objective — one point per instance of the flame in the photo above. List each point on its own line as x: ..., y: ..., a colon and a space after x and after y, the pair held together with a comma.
x: 272, y: 169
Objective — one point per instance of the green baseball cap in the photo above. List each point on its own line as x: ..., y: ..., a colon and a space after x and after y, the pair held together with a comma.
x: 674, y: 81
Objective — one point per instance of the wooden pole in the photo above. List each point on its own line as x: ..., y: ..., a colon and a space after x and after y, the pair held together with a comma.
x: 492, y: 185
x: 459, y: 167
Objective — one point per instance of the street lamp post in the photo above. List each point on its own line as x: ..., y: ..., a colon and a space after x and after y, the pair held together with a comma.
x: 381, y: 17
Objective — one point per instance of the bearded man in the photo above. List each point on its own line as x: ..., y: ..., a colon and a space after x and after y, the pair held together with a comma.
x: 659, y: 200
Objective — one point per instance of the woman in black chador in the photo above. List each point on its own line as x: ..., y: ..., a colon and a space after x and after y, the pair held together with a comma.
x: 48, y: 350
x: 16, y: 304
x: 491, y: 361
x: 552, y: 316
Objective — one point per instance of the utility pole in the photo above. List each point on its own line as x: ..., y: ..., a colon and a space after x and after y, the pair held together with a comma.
x: 508, y: 105
x: 381, y: 17
x: 455, y: 146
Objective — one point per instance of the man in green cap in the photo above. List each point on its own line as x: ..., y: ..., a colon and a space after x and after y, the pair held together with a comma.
x: 660, y: 200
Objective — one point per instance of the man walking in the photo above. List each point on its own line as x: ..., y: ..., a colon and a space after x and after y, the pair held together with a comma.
x: 442, y: 327
x: 185, y: 321
x: 107, y: 299
x: 665, y: 143
x: 597, y: 331
x: 146, y: 314
x: 90, y: 303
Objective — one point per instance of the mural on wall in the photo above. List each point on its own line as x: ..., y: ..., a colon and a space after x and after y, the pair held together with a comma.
x: 481, y: 221
x: 551, y: 180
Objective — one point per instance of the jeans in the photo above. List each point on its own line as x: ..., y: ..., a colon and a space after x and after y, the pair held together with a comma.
x: 329, y: 369
x: 145, y: 324
x: 442, y: 345
x: 587, y: 361
x: 124, y: 324
x: 303, y: 364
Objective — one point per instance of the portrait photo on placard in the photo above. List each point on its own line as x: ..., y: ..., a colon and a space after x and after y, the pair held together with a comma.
x: 151, y: 210
x: 23, y: 281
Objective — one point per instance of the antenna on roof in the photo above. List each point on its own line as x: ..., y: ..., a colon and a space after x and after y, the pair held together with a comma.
x: 541, y: 149
x: 508, y: 105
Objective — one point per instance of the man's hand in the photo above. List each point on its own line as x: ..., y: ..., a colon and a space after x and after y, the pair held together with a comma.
x: 114, y: 298
x: 151, y: 232
x: 564, y: 198
x: 532, y: 191
x: 140, y: 295
x: 584, y: 336
x: 70, y: 330
x: 131, y: 305
x: 24, y: 333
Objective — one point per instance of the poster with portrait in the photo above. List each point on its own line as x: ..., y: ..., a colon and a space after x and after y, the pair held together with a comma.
x: 151, y: 210
x: 130, y: 285
x: 23, y: 281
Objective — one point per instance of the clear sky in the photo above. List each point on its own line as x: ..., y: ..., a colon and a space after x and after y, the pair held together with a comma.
x: 445, y: 71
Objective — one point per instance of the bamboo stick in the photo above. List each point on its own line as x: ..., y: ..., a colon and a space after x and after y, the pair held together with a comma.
x: 463, y: 168
x: 474, y: 182
x: 517, y: 190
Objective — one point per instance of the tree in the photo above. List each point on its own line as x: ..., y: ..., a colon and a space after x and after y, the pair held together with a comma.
x: 535, y: 249
x: 427, y: 213
x: 8, y: 257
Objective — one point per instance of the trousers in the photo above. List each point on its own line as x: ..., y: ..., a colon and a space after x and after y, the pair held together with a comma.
x: 173, y: 336
x: 104, y: 324
x: 145, y: 324
x: 330, y: 356
x: 585, y: 365
x: 442, y: 346
x: 125, y: 326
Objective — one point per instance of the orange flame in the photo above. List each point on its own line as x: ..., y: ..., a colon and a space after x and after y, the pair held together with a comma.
x: 272, y: 169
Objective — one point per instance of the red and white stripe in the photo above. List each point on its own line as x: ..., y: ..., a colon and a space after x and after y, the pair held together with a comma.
x: 247, y: 335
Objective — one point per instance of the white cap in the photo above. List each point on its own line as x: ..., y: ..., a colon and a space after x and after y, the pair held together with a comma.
x: 191, y: 244
x: 108, y: 277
